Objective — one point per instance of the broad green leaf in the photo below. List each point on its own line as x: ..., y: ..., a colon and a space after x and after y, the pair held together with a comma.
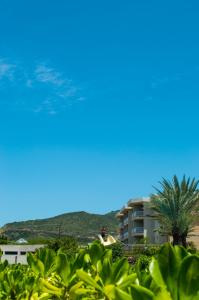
x: 106, y: 272
x: 87, y: 258
x: 120, y: 268
x: 63, y: 267
x: 50, y: 288
x: 141, y: 293
x: 88, y: 279
x: 181, y: 253
x: 109, y: 291
x: 156, y: 273
x: 96, y: 251
x: 121, y: 295
x: 126, y: 281
x: 169, y: 263
x: 47, y: 257
x: 162, y: 294
x: 77, y: 290
x: 188, y: 281
x: 36, y: 265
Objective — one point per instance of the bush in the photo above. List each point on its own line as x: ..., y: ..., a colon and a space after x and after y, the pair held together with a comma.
x: 91, y: 274
x: 145, y: 250
x: 66, y: 244
x: 117, y: 250
x: 3, y: 239
x: 143, y: 262
x: 191, y: 247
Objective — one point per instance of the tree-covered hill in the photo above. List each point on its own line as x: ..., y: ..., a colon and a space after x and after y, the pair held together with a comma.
x: 82, y: 225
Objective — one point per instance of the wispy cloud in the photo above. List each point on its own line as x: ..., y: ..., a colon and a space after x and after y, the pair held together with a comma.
x: 6, y: 70
x: 158, y: 83
x: 29, y: 83
x: 47, y: 89
x: 148, y: 99
x: 61, y: 91
x: 49, y: 75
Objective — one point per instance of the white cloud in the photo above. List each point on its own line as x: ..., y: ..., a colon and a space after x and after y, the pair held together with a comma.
x: 62, y: 91
x: 67, y: 92
x: 49, y: 75
x: 148, y: 98
x: 6, y: 70
x: 159, y: 81
x: 29, y: 83
x: 81, y: 99
x: 46, y: 89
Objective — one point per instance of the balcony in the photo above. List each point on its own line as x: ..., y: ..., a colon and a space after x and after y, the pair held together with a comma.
x: 139, y: 230
x: 125, y: 235
x: 138, y: 214
x: 121, y: 225
x: 126, y: 221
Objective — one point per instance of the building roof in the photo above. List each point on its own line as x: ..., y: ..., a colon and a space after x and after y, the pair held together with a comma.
x: 21, y: 241
x: 138, y: 200
x: 130, y: 204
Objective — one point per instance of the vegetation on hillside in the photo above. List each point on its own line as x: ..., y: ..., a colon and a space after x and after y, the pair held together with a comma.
x: 83, y: 226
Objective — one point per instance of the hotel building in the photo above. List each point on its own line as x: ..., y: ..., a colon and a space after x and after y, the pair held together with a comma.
x: 137, y: 222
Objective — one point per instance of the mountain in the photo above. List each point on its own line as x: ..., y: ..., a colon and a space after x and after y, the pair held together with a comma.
x: 82, y: 225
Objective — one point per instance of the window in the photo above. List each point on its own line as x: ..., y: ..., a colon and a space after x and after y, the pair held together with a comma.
x: 11, y: 252
x: 23, y: 252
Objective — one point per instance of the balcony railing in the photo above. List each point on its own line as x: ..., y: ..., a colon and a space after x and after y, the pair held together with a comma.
x: 126, y: 221
x: 125, y: 234
x: 121, y: 225
x: 138, y: 213
x: 138, y: 230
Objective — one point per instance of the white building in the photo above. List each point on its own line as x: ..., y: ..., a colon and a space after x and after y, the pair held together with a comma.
x: 17, y: 253
x: 137, y: 222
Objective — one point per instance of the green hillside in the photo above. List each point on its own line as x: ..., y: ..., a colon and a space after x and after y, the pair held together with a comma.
x: 82, y: 225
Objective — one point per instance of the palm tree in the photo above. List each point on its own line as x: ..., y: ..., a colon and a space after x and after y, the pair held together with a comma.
x: 177, y: 206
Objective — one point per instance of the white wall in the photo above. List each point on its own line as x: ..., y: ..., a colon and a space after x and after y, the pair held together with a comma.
x: 18, y: 257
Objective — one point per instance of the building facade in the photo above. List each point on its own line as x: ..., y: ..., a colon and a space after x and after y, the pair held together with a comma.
x: 137, y: 223
x: 17, y: 253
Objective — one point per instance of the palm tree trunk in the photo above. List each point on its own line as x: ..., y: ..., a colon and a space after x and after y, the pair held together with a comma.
x: 176, y: 238
x: 184, y: 240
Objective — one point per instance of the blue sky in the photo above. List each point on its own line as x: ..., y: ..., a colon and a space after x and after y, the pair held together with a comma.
x: 98, y: 101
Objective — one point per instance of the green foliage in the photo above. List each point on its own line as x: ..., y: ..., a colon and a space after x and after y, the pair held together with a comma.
x: 176, y: 205
x: 142, y: 254
x: 3, y: 239
x: 38, y: 240
x: 84, y: 226
x: 145, y: 250
x: 191, y: 247
x: 173, y: 274
x: 143, y: 262
x: 66, y: 244
x: 117, y: 250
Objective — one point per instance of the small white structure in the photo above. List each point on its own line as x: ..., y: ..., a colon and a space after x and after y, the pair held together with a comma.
x: 17, y: 253
x: 109, y: 241
x: 22, y: 241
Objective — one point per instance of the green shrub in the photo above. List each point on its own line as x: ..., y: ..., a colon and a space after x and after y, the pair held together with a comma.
x: 66, y: 244
x: 191, y: 247
x: 143, y: 262
x: 3, y: 239
x: 173, y: 274
x: 117, y: 250
x: 145, y: 250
